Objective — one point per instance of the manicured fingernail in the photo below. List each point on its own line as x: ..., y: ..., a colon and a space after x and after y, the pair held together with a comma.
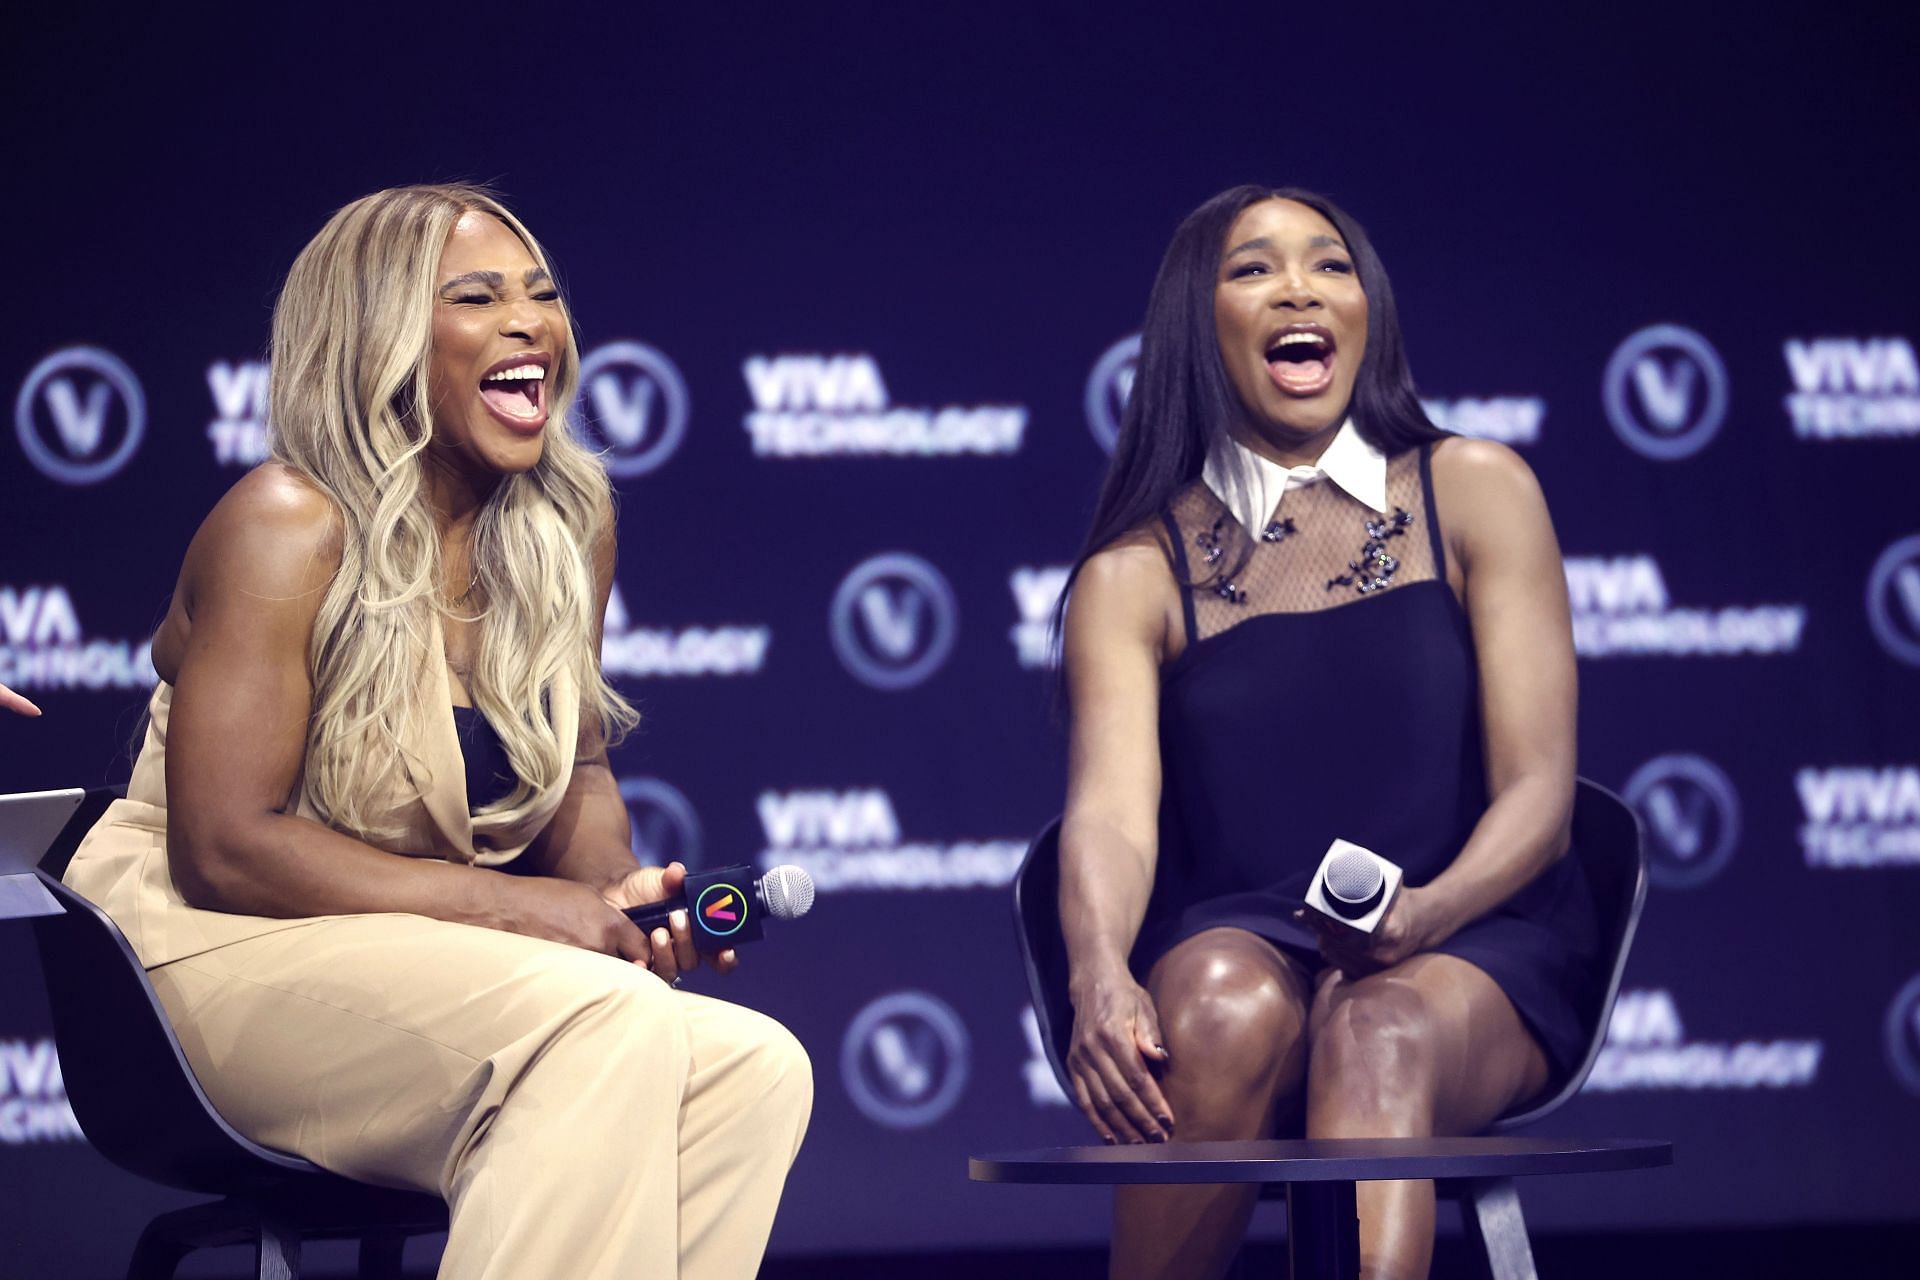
x: 1108, y: 1138
x: 1159, y: 1137
x: 661, y: 938
x: 679, y: 919
x: 1165, y: 1120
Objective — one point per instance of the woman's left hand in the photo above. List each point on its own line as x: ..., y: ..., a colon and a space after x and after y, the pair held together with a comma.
x: 1401, y: 933
x: 673, y: 949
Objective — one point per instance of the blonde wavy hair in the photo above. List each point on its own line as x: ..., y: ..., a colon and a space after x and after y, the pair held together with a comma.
x: 349, y: 409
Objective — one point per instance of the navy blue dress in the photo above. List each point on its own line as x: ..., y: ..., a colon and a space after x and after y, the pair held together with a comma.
x: 490, y: 773
x: 1328, y: 688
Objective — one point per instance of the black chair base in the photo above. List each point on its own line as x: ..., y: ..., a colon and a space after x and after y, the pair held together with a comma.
x: 278, y: 1224
x: 1490, y: 1212
x: 1320, y: 1178
x: 1490, y: 1217
x: 140, y: 1105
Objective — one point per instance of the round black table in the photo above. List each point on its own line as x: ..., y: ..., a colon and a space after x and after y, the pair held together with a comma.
x: 1323, y: 1230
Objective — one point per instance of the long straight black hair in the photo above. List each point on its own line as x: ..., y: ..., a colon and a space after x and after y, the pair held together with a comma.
x: 1182, y: 403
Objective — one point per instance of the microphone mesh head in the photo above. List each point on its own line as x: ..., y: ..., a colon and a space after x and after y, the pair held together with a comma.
x: 787, y: 891
x: 1353, y: 877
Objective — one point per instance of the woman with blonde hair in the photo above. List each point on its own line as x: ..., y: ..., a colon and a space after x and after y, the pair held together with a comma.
x: 380, y: 688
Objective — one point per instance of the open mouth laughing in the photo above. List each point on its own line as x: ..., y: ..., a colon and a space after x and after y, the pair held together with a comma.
x: 515, y: 390
x: 1300, y: 359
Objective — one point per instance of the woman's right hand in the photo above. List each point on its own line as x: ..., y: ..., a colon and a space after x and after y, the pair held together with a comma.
x: 1116, y: 1033
x: 570, y: 912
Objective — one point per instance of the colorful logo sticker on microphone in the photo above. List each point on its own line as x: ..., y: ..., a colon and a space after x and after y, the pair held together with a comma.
x: 722, y: 908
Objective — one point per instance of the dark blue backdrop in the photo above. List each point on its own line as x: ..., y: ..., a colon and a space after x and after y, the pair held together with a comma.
x: 873, y: 264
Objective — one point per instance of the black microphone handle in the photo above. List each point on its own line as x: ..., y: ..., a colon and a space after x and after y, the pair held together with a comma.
x: 657, y: 915
x: 723, y: 907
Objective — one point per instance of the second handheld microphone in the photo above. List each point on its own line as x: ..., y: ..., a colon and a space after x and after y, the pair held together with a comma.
x: 1354, y: 886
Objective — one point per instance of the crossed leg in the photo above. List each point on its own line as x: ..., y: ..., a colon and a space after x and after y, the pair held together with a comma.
x: 1233, y: 1012
x: 580, y: 1118
x: 1430, y: 1047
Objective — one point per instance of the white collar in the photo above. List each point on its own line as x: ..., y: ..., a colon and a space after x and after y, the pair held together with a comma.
x: 1348, y: 460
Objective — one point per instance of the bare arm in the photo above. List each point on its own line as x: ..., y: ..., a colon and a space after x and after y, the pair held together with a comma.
x: 1115, y: 633
x: 1116, y: 636
x: 590, y: 838
x: 252, y: 585
x: 1516, y: 598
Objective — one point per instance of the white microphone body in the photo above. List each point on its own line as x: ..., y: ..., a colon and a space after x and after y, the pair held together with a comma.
x: 1353, y: 885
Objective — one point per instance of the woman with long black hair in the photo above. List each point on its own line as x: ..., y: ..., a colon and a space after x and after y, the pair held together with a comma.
x: 1303, y: 613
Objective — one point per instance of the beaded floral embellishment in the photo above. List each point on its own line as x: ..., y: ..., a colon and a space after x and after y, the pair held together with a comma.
x: 1375, y: 568
x: 1278, y: 531
x: 1213, y: 551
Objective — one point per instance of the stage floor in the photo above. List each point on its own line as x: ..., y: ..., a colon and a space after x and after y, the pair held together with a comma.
x: 1855, y: 1251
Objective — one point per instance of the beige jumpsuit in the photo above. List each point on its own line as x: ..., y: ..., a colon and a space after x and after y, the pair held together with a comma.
x: 581, y: 1118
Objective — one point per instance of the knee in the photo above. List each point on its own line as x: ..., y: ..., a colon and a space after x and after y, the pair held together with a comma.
x: 777, y: 1072
x: 1374, y: 1045
x: 595, y: 1000
x: 791, y: 1071
x: 1231, y: 1012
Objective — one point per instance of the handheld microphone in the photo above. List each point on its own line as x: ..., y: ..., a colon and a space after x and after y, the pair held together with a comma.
x: 1354, y: 886
x: 728, y: 906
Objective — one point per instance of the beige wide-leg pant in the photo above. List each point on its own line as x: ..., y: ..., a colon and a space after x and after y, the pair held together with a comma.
x: 581, y: 1118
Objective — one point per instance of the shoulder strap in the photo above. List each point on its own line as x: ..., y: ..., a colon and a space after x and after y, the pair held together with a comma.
x: 1433, y: 511
x: 1182, y: 576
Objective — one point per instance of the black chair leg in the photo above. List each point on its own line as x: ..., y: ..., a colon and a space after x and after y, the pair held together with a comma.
x: 172, y: 1236
x: 277, y: 1251
x: 1490, y: 1211
x: 380, y: 1255
x: 1323, y: 1231
x: 158, y: 1252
